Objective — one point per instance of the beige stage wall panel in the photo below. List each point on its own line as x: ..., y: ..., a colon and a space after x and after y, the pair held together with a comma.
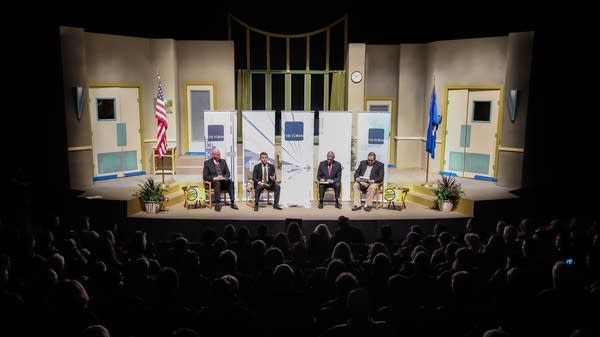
x: 461, y: 62
x: 208, y: 62
x: 411, y: 90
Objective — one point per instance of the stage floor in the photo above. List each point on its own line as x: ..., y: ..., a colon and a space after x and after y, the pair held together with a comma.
x: 123, y: 188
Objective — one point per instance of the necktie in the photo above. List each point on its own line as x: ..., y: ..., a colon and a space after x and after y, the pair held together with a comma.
x: 329, y: 170
x: 265, y: 174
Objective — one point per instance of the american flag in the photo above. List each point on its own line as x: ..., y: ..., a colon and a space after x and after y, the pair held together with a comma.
x: 161, y: 119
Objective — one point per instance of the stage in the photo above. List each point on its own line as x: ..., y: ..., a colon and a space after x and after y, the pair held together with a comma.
x: 115, y: 198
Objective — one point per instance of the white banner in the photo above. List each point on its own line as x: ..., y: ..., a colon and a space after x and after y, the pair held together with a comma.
x: 297, y: 134
x: 258, y: 131
x: 220, y: 128
x: 373, y: 135
x: 335, y: 134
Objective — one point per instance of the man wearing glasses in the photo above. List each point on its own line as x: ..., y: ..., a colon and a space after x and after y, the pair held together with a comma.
x: 367, y: 178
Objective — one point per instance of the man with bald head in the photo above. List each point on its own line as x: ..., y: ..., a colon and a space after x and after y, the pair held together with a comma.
x: 216, y: 171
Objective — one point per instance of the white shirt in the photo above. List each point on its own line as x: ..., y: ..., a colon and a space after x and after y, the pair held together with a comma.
x: 368, y: 172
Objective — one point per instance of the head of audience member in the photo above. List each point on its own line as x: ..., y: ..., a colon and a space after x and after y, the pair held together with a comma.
x: 95, y: 331
x: 229, y: 233
x: 299, y: 253
x: 462, y: 285
x: 344, y: 283
x: 342, y: 252
x: 496, y: 333
x: 359, y: 305
x: 323, y: 232
x: 273, y: 257
x: 228, y: 261
x: 334, y: 269
x: 184, y: 332
x: 294, y: 233
x: 283, y: 276
x: 280, y: 240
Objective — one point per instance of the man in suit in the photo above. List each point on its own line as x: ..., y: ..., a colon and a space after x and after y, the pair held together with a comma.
x: 216, y: 170
x: 367, y: 178
x: 263, y: 177
x: 329, y: 174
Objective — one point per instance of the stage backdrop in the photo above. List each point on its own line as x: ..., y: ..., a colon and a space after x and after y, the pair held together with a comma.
x: 335, y: 134
x: 220, y: 128
x: 373, y: 135
x: 258, y: 131
x: 297, y: 134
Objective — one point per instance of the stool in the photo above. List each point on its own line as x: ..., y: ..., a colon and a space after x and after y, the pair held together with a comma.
x: 392, y: 194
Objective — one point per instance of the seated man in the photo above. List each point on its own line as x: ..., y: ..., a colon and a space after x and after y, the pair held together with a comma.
x: 367, y: 178
x: 263, y: 177
x: 216, y: 171
x: 329, y: 174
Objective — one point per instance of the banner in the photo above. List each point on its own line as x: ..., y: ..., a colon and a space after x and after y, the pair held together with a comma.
x: 220, y: 128
x: 373, y: 135
x: 335, y: 134
x: 258, y: 131
x: 297, y: 178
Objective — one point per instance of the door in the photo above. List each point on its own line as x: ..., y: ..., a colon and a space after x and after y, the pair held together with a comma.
x: 200, y: 99
x: 115, y: 125
x: 471, y: 133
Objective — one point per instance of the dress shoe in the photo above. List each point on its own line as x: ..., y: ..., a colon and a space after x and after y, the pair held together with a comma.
x: 356, y: 208
x: 276, y: 206
x: 338, y: 205
x: 218, y: 207
x: 256, y: 208
x: 234, y: 206
x: 368, y: 208
x: 320, y: 205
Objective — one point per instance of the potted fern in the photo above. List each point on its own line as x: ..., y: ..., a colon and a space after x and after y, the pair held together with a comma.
x: 151, y: 195
x: 447, y: 192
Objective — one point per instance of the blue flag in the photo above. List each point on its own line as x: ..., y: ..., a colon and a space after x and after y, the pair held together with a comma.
x: 434, y: 122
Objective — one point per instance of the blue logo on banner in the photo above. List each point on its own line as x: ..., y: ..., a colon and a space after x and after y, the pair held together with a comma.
x: 216, y: 133
x: 294, y: 130
x: 375, y: 136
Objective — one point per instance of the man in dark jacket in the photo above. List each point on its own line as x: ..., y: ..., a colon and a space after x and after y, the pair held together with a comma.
x: 329, y: 175
x: 216, y: 171
x: 263, y: 176
x: 367, y: 178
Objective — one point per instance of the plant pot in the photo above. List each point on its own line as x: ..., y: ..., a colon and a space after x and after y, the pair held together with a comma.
x: 152, y: 207
x: 445, y: 206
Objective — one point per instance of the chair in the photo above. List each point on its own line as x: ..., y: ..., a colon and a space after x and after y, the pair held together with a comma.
x: 326, y: 189
x: 210, y: 193
x: 378, y: 197
x: 250, y: 191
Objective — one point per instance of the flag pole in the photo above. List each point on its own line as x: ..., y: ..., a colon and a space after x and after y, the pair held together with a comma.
x: 427, y: 173
x: 162, y: 164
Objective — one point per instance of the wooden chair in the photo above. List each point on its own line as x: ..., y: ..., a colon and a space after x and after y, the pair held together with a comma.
x: 378, y: 197
x: 210, y: 193
x: 326, y: 189
x: 250, y: 191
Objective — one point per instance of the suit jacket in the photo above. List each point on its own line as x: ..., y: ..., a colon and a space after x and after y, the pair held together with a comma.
x: 210, y: 169
x: 336, y: 171
x: 257, y: 173
x: 377, y: 171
